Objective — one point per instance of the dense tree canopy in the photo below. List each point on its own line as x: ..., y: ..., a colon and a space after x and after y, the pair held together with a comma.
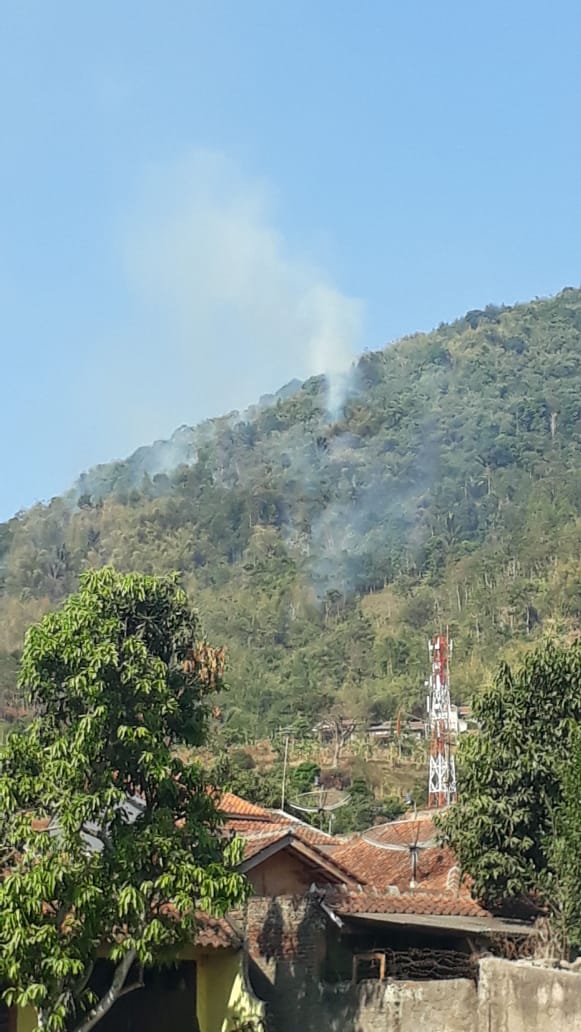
x: 566, y: 851
x: 109, y: 841
x: 511, y: 779
x: 326, y: 550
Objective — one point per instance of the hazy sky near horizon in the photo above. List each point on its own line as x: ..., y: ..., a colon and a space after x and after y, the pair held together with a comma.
x: 202, y: 200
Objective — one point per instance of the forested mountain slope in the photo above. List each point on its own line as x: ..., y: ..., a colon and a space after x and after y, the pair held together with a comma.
x: 324, y: 551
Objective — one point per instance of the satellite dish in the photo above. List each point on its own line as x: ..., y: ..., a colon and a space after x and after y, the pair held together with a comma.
x: 409, y: 835
x: 322, y: 801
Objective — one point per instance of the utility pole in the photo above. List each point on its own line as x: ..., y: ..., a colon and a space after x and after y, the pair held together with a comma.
x: 284, y: 766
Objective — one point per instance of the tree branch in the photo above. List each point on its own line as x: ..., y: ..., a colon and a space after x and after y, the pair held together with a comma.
x: 134, y: 985
x: 83, y: 980
x: 113, y: 993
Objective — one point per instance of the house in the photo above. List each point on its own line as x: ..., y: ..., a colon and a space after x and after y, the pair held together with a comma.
x: 384, y: 906
x: 206, y: 990
x: 283, y: 856
x: 330, y: 925
x: 403, y: 854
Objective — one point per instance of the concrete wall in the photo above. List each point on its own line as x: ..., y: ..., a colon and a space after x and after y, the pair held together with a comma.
x: 524, y: 998
x: 510, y: 998
x: 447, y: 1006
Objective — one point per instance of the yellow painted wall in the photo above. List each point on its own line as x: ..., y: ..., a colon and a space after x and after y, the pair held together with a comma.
x: 224, y: 1001
x: 26, y: 1020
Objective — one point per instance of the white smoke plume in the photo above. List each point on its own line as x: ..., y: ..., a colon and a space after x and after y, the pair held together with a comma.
x: 224, y: 309
x: 335, y: 323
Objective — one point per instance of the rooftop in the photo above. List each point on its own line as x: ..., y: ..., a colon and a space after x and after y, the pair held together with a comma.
x: 366, y: 902
x: 216, y: 933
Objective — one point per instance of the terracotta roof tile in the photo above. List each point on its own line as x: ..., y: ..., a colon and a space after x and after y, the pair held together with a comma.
x: 352, y: 902
x: 379, y: 857
x: 215, y: 933
x: 410, y: 831
x: 259, y: 840
x: 234, y: 806
x: 257, y: 832
x: 384, y: 867
x: 255, y: 843
x: 270, y: 822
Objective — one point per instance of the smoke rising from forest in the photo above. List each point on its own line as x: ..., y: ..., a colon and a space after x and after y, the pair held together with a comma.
x: 226, y: 312
x: 225, y: 309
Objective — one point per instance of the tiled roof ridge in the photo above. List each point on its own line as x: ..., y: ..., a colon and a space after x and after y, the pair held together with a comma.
x: 233, y: 805
x: 295, y: 835
x: 268, y: 833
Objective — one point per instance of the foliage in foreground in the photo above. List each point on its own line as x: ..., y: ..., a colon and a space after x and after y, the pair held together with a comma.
x: 515, y: 827
x: 566, y: 852
x: 109, y: 841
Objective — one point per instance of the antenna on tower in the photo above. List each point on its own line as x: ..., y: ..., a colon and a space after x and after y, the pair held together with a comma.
x: 442, y: 768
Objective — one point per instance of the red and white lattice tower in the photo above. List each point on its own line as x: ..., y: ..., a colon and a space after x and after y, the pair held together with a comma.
x: 442, y: 773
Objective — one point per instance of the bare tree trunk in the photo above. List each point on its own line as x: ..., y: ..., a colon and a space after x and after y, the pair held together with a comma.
x: 115, y: 990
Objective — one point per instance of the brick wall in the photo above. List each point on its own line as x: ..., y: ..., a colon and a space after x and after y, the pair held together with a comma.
x: 285, y: 937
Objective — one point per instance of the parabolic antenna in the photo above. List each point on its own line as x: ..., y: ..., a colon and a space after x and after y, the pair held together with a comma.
x: 321, y: 801
x: 410, y: 835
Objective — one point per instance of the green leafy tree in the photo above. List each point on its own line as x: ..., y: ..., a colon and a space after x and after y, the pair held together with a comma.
x: 363, y: 809
x: 511, y: 777
x: 110, y: 843
x: 263, y: 788
x: 566, y: 852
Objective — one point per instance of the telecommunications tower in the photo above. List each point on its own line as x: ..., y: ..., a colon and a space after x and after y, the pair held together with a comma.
x: 442, y: 772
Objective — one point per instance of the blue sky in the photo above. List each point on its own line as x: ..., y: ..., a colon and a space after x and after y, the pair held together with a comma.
x: 201, y: 200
